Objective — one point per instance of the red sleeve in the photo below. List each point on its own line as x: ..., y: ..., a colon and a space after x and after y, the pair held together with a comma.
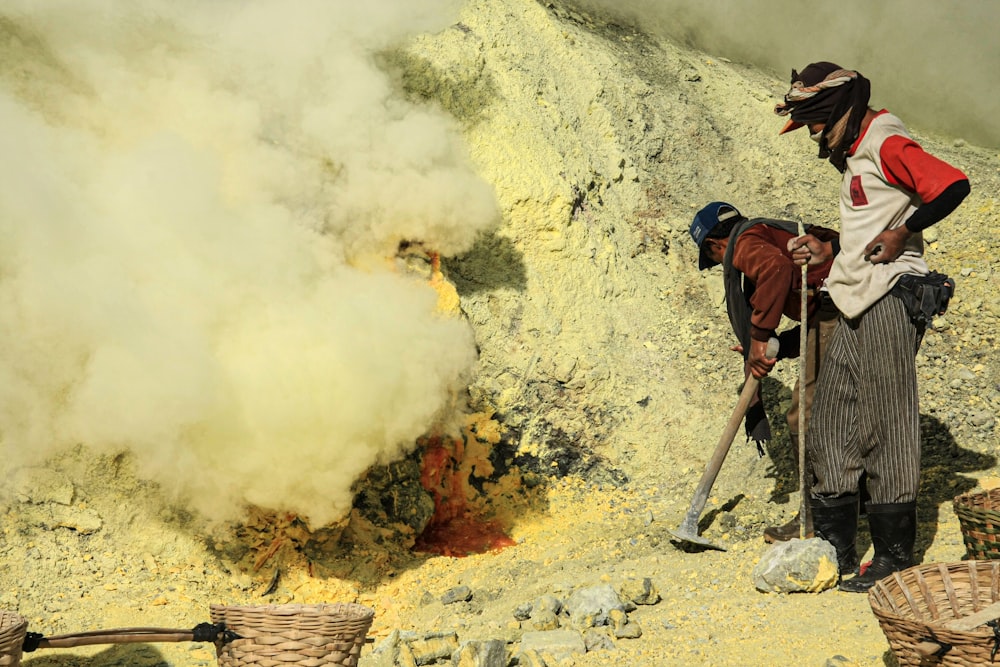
x: 907, y: 165
x: 773, y: 274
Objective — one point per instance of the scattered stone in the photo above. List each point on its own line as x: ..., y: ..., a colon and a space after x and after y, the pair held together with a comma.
x: 557, y: 644
x: 530, y: 658
x: 982, y: 418
x: 51, y: 516
x: 457, y: 594
x: 544, y: 619
x: 797, y: 566
x: 81, y: 519
x: 41, y: 485
x: 839, y: 661
x: 639, y: 591
x: 589, y: 607
x: 547, y: 603
x: 389, y: 650
x: 630, y: 630
x: 429, y: 648
x: 492, y: 653
x: 596, y: 640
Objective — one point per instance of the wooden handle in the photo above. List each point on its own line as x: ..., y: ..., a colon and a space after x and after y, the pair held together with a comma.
x: 928, y: 648
x: 116, y: 636
x: 726, y: 441
x: 964, y: 624
x: 973, y: 621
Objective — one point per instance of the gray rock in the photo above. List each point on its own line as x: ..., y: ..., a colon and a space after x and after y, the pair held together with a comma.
x: 491, y: 653
x: 388, y: 652
x: 982, y: 418
x: 83, y: 520
x: 433, y: 647
x: 457, y: 594
x: 557, y: 644
x: 544, y: 619
x: 589, y: 607
x: 530, y: 658
x: 630, y: 630
x: 639, y: 591
x: 597, y: 641
x: 547, y: 603
x: 839, y: 661
x: 797, y: 566
x: 41, y: 485
x: 617, y: 618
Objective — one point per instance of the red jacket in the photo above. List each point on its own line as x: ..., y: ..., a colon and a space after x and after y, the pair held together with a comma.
x: 761, y: 254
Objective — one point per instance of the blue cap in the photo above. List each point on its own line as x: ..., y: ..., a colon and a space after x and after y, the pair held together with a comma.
x: 705, y: 221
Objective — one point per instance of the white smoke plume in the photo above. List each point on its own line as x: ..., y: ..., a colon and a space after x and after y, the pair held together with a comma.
x: 198, y: 201
x: 936, y: 65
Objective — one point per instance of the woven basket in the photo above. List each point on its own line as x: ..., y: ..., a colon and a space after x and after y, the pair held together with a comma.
x: 979, y: 517
x: 12, y: 630
x: 912, y: 607
x: 293, y: 634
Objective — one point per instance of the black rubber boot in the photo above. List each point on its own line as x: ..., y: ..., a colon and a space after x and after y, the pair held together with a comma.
x: 894, y: 532
x: 836, y: 521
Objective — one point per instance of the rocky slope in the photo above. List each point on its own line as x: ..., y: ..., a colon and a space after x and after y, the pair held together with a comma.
x: 603, y: 382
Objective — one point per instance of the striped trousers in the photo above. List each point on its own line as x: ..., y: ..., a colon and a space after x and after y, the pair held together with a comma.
x: 865, y: 415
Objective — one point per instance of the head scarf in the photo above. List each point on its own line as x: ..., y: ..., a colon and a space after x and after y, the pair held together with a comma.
x: 826, y: 93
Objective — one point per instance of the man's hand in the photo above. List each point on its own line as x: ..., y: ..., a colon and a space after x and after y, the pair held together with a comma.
x: 809, y: 249
x: 887, y: 246
x: 758, y: 361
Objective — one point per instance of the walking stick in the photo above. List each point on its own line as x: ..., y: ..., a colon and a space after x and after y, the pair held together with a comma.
x: 804, y: 521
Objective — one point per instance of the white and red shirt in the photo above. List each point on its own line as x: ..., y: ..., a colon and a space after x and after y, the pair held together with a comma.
x: 888, y: 176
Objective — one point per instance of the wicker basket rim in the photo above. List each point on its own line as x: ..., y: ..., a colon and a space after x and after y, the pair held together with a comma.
x: 982, y: 493
x: 323, y: 609
x: 11, y: 620
x: 889, y: 585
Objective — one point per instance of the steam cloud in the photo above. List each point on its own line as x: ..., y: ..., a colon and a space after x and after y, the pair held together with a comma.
x: 934, y: 64
x: 197, y: 205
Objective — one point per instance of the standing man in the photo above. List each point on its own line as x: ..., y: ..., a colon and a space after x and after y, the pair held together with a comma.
x: 763, y: 283
x: 866, y: 416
